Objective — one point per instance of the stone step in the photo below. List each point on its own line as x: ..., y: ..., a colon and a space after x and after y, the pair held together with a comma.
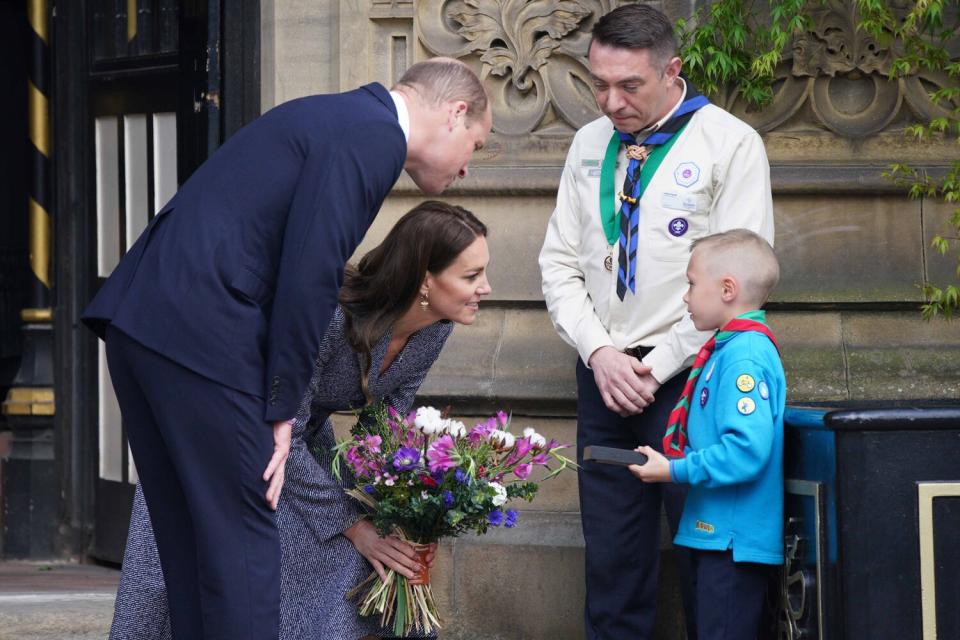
x: 53, y: 601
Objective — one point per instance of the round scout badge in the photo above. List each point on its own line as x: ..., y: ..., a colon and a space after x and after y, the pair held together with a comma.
x: 745, y: 383
x: 746, y: 405
x: 763, y: 390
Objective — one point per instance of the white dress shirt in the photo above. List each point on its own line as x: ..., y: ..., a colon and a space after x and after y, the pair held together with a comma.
x: 403, y: 114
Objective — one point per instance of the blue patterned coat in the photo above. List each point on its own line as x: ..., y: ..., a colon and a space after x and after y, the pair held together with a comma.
x: 319, y: 565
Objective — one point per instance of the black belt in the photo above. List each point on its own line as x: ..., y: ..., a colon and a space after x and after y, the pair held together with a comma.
x: 638, y: 352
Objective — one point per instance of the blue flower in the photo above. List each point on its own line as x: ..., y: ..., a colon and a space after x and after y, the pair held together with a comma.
x: 369, y: 488
x: 447, y: 499
x: 511, y: 519
x: 462, y: 476
x: 495, y: 517
x: 406, y: 458
x: 438, y: 476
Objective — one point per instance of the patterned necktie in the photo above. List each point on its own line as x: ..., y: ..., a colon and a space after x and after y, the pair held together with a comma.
x: 675, y: 439
x: 633, y: 187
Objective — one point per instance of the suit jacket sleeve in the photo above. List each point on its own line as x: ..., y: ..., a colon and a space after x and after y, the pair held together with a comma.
x: 342, y: 185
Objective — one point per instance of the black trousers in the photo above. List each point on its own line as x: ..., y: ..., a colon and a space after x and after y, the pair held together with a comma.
x: 730, y: 595
x: 201, y: 450
x: 621, y: 517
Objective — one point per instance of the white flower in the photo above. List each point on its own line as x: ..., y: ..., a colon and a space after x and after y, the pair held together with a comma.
x: 424, y: 495
x: 456, y: 428
x: 505, y: 438
x: 428, y: 420
x: 535, y: 438
x: 389, y: 482
x: 501, y: 497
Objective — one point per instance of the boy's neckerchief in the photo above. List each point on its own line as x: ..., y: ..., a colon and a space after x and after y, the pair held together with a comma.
x: 675, y: 439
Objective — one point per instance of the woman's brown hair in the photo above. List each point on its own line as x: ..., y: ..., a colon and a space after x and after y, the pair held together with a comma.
x: 386, y: 282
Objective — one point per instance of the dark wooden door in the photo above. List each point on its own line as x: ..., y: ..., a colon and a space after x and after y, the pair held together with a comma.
x: 145, y: 56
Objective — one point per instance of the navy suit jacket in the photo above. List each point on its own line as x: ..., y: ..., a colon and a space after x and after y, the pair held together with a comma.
x: 237, y: 277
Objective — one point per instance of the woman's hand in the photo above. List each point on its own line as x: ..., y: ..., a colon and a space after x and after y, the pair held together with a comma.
x: 656, y: 469
x: 384, y: 553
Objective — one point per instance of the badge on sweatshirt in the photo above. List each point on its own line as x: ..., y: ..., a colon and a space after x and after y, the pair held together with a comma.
x: 704, y: 394
x: 745, y: 383
x: 710, y: 372
x: 763, y: 390
x: 746, y: 405
x: 705, y: 527
x: 686, y: 174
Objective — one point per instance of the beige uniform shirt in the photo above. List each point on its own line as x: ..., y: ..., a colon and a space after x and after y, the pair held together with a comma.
x: 716, y: 177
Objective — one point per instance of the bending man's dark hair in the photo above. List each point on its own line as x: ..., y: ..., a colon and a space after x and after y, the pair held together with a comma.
x: 637, y: 26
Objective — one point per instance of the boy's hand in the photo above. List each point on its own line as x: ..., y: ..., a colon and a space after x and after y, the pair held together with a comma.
x: 657, y: 468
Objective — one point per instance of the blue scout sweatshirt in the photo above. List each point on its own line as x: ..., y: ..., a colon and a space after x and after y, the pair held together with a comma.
x: 734, y: 461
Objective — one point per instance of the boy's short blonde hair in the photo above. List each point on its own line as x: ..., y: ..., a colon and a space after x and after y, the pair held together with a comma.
x: 744, y: 255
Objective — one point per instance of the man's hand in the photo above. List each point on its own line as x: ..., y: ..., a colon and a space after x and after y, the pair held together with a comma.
x: 383, y: 553
x: 650, y: 385
x: 657, y: 468
x: 621, y: 381
x: 274, y: 472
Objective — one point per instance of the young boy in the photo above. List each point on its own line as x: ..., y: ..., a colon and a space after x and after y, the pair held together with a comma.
x: 733, y: 516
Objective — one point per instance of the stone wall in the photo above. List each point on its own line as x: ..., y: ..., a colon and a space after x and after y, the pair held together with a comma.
x: 853, y: 249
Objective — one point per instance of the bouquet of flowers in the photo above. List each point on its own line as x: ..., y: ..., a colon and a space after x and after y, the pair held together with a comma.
x: 424, y: 477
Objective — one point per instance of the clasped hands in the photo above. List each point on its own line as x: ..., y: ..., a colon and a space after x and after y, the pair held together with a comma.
x: 625, y: 383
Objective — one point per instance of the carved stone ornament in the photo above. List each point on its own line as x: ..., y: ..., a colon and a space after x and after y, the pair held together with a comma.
x: 844, y: 76
x: 533, y: 55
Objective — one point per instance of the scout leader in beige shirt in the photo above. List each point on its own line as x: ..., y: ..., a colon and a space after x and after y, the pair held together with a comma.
x: 715, y: 177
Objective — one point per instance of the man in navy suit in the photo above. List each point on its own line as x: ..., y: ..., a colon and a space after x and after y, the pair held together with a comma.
x: 213, y: 318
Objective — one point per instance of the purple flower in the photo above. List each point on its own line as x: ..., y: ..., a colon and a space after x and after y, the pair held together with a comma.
x: 442, y: 454
x: 447, y: 499
x: 522, y: 470
x: 511, y: 521
x: 438, y: 476
x: 462, y: 476
x: 406, y: 458
x: 369, y: 489
x: 495, y: 517
x: 503, y: 418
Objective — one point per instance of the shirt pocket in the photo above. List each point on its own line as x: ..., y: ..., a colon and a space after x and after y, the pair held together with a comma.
x: 673, y: 220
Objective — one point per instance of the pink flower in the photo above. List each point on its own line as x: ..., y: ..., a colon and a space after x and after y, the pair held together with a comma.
x: 520, y: 449
x: 503, y: 418
x: 442, y: 455
x: 522, y: 471
x: 540, y: 458
x: 372, y: 443
x: 482, y: 431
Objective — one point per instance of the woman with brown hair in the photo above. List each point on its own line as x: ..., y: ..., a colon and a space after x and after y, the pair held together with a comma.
x: 397, y: 308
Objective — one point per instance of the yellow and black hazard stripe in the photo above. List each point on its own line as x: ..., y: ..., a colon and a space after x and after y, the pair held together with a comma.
x: 33, y: 393
x: 41, y: 146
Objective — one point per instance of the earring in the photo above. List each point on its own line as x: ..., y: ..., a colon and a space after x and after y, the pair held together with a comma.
x: 424, y: 301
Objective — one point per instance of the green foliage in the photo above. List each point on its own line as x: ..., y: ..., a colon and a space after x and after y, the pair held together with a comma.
x: 731, y: 43
x: 734, y: 43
